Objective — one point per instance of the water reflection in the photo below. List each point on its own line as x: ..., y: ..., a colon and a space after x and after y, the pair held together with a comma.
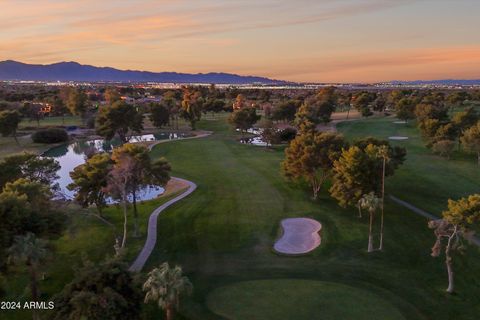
x: 74, y: 154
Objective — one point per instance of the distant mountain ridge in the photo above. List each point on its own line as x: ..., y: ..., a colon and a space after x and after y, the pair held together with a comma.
x: 445, y: 82
x: 73, y: 71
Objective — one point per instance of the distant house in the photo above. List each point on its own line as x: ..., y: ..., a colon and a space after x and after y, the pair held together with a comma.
x: 128, y: 99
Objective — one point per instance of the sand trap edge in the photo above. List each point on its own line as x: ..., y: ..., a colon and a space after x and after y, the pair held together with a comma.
x: 316, y: 228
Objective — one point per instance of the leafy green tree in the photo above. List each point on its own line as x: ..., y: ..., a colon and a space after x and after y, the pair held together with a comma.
x: 9, y: 120
x: 457, y: 98
x: 38, y: 194
x: 360, y: 170
x: 471, y: 140
x: 464, y: 120
x: 159, y: 115
x: 394, y: 96
x: 459, y: 221
x: 244, y: 119
x: 89, y: 181
x: 310, y: 157
x: 30, y: 251
x: 306, y: 118
x: 355, y: 173
x: 118, y: 119
x: 371, y: 203
x: 143, y: 172
x: 429, y: 128
x: 29, y: 166
x: 380, y: 103
x: 165, y: 286
x: 362, y: 102
x: 77, y: 102
x: 405, y: 109
x: 213, y: 105
x: 395, y: 155
x: 28, y: 204
x: 59, y: 108
x: 425, y: 111
x: 14, y: 210
x: 285, y: 111
x: 100, y: 291
x: 170, y: 101
x: 192, y: 105
x: 436, y: 98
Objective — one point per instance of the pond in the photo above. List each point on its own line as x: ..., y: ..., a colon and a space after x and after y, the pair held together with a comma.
x: 69, y: 156
x: 256, y: 140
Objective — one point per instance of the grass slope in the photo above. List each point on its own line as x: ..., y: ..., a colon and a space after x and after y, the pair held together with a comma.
x: 312, y: 300
x: 224, y: 232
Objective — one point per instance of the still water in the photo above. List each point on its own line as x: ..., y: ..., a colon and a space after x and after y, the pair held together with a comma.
x: 74, y: 154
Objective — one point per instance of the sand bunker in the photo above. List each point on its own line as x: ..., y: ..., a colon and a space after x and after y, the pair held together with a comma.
x: 397, y: 138
x: 400, y: 122
x: 300, y: 235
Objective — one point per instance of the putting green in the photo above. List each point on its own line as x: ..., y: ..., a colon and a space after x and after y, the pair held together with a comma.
x: 280, y: 299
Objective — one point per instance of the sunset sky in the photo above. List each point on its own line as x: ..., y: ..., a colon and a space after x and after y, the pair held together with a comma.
x: 300, y: 40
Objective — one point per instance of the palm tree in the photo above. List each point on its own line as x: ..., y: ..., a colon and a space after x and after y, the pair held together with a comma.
x: 165, y: 285
x: 370, y: 202
x: 383, y: 153
x: 31, y: 251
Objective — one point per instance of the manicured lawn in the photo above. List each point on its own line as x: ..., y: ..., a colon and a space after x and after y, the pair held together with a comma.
x: 8, y: 146
x: 224, y: 232
x: 426, y: 180
x: 52, y: 121
x: 299, y: 299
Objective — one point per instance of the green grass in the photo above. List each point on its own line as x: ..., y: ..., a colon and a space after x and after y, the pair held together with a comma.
x: 427, y: 180
x: 8, y: 146
x: 224, y: 232
x: 51, y: 121
x: 307, y: 300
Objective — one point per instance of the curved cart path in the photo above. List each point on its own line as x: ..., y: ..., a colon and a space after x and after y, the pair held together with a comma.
x: 474, y: 240
x: 147, y: 249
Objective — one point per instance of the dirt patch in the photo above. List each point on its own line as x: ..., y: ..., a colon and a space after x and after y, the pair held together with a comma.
x: 173, y: 186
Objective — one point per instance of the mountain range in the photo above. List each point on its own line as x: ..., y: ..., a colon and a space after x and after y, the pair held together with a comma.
x: 73, y: 71
x: 444, y: 82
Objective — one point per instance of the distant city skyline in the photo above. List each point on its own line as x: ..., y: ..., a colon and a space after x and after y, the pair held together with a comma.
x: 304, y: 40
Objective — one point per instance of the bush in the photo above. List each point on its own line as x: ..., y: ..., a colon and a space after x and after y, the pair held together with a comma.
x: 288, y: 134
x: 50, y: 135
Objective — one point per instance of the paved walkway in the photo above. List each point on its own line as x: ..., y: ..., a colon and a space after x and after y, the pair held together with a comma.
x: 149, y: 245
x: 475, y: 240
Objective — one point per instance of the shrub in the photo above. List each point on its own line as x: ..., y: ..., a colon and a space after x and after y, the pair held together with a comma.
x: 50, y: 135
x: 288, y: 134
